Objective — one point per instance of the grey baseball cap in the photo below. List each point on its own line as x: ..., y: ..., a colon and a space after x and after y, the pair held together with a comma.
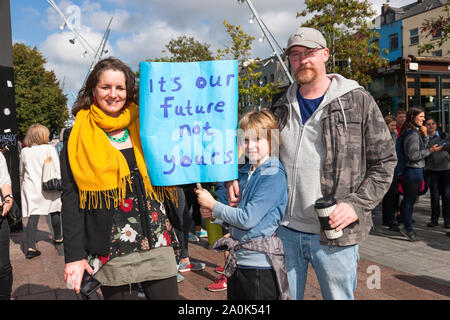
x: 306, y: 37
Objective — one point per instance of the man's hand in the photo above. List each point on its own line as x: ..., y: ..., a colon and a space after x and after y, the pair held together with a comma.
x: 342, y: 216
x: 233, y: 193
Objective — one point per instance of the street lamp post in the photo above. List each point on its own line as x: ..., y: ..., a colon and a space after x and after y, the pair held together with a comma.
x: 100, y: 50
x: 269, y: 39
x: 77, y: 35
x: 86, y: 45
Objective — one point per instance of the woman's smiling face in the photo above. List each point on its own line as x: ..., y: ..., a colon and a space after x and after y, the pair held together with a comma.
x: 111, y: 92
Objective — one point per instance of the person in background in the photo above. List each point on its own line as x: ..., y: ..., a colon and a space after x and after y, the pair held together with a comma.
x: 222, y: 282
x: 59, y: 145
x: 415, y: 146
x: 390, y: 203
x: 438, y: 170
x: 187, y: 204
x: 6, y: 271
x: 199, y: 232
x: 400, y: 117
x: 116, y: 223
x: 35, y: 201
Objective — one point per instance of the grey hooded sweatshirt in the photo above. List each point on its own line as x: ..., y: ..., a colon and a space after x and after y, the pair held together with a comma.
x: 302, y: 154
x: 344, y: 150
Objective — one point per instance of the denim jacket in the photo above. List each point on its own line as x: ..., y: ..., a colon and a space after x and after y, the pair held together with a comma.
x: 262, y: 203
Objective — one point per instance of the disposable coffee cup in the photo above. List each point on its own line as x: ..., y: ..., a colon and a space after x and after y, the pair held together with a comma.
x: 324, y: 207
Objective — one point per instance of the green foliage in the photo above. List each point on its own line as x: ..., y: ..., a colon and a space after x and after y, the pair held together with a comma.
x: 432, y: 27
x: 249, y: 87
x: 242, y: 43
x: 39, y: 99
x: 344, y: 25
x: 184, y: 49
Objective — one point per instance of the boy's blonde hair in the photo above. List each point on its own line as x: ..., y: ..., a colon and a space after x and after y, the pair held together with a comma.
x: 263, y: 121
x: 36, y: 135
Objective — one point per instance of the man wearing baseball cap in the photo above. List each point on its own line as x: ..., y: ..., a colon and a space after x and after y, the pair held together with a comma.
x: 335, y: 144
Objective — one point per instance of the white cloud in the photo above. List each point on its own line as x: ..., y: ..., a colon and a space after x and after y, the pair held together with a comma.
x: 54, y: 20
x: 377, y: 4
x: 150, y: 41
x: 141, y: 28
x: 65, y: 58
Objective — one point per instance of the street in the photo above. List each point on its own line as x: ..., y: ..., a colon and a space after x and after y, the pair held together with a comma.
x: 391, y: 268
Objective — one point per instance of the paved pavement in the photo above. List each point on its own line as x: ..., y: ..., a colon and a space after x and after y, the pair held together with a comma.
x: 391, y: 268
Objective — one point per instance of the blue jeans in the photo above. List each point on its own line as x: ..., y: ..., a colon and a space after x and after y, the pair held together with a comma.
x: 410, y: 194
x: 335, y: 268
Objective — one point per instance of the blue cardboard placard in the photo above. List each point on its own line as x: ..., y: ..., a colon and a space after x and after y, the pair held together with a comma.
x: 188, y: 121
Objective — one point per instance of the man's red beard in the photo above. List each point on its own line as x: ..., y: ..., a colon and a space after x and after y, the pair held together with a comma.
x: 305, y: 77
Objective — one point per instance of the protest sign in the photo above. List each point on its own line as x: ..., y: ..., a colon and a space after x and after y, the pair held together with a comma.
x: 188, y: 121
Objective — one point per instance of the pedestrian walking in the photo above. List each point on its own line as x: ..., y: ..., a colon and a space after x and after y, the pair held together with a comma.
x: 400, y: 117
x: 59, y: 145
x: 390, y: 204
x: 221, y: 283
x: 415, y: 146
x: 35, y: 201
x: 335, y: 144
x: 187, y: 204
x: 116, y: 224
x: 437, y: 166
x: 255, y: 267
x: 6, y: 272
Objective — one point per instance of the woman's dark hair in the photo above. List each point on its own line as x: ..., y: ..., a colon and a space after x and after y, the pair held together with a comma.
x: 410, y: 116
x: 431, y: 118
x: 85, y: 97
x: 438, y: 127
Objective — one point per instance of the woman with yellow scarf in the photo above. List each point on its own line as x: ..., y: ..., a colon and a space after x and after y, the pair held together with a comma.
x: 115, y: 223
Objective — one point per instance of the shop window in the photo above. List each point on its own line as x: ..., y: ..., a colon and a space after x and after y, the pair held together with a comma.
x: 414, y: 36
x: 437, y: 53
x: 429, y: 103
x: 393, y: 42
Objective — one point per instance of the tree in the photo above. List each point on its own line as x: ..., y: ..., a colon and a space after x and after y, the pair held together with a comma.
x: 354, y: 51
x: 184, y: 49
x: 251, y: 92
x: 39, y: 99
x: 431, y: 28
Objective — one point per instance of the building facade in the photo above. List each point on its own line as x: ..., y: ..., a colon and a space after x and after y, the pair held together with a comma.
x: 412, y: 36
x: 412, y: 79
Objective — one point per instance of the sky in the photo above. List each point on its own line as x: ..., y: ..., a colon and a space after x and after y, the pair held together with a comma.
x: 141, y: 28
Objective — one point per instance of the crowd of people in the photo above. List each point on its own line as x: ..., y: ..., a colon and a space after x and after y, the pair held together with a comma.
x: 133, y: 237
x: 423, y: 162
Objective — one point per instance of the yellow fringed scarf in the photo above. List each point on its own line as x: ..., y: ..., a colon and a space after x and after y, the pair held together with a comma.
x: 99, y: 169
